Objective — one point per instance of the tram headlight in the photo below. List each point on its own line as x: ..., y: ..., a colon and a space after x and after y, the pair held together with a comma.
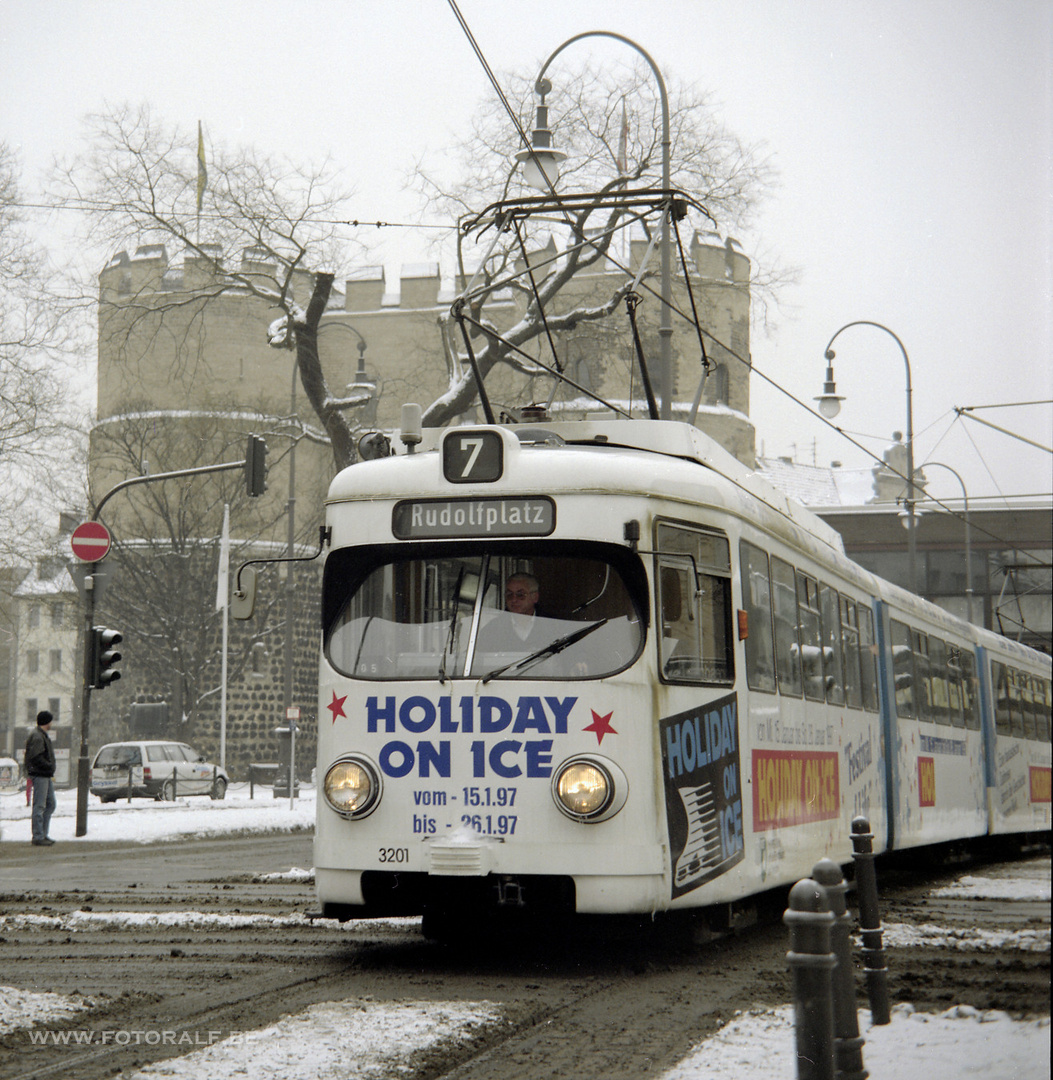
x: 352, y: 787
x: 589, y: 788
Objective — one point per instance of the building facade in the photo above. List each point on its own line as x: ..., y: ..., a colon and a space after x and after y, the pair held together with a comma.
x: 44, y: 661
x: 1007, y: 583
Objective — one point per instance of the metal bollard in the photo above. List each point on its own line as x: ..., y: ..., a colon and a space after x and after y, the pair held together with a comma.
x: 812, y: 964
x: 848, y: 1044
x: 870, y: 922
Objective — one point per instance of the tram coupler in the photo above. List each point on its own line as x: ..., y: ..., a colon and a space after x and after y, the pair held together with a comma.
x: 848, y: 1043
x: 509, y: 893
x: 875, y: 970
x: 812, y: 965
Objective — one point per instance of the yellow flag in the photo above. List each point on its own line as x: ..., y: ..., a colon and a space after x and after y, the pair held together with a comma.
x: 202, y: 172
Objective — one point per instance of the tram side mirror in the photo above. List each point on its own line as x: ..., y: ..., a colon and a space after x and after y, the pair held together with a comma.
x: 243, y: 598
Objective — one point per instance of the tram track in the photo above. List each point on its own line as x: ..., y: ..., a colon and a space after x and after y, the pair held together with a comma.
x: 630, y: 1002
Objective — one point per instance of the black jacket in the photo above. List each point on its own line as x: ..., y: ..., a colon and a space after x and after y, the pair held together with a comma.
x: 40, y: 754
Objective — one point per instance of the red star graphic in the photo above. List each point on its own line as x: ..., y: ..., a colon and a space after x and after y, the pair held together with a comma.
x: 336, y: 706
x: 601, y: 725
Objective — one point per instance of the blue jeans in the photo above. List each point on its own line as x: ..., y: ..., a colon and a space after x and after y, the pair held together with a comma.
x: 43, y: 805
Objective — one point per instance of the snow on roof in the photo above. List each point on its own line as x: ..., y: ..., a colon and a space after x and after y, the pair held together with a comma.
x: 419, y: 270
x: 58, y: 584
x: 816, y: 485
x: 365, y: 273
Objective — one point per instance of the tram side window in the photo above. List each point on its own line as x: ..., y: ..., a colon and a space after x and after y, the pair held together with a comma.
x: 833, y: 661
x: 756, y: 598
x: 903, y: 670
x: 922, y: 675
x: 1027, y: 699
x: 787, y: 644
x: 1043, y: 703
x: 1003, y: 704
x: 1016, y: 709
x: 939, y: 692
x: 811, y: 633
x: 868, y: 659
x: 955, y: 696
x: 850, y: 636
x: 970, y: 691
x: 694, y: 576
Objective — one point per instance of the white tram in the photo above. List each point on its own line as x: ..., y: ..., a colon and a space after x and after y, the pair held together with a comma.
x: 706, y: 693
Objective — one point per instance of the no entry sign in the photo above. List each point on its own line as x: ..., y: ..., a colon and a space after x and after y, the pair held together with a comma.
x: 90, y: 541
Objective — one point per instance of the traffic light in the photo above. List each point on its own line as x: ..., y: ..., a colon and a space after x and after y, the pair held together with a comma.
x: 256, y: 466
x: 105, y: 657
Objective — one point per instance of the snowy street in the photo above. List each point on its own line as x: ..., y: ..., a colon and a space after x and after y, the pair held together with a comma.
x: 214, y: 969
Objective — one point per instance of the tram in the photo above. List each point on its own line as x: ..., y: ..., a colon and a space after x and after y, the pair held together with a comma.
x: 601, y: 667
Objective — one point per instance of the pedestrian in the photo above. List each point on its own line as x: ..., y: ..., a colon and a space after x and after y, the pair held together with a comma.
x: 40, y: 768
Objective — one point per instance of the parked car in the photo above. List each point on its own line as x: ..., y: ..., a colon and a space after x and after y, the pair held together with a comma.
x: 10, y: 775
x: 154, y: 769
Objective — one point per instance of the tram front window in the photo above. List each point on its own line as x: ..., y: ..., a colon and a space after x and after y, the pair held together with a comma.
x: 497, y: 615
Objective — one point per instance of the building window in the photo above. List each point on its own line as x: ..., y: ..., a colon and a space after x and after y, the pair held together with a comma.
x: 56, y: 661
x: 54, y: 704
x: 56, y: 616
x: 31, y: 711
x: 33, y: 616
x: 32, y: 661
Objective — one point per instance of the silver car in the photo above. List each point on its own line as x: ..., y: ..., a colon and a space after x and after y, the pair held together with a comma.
x: 154, y: 769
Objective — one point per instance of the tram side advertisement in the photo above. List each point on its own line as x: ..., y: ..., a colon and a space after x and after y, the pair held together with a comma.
x: 703, y: 792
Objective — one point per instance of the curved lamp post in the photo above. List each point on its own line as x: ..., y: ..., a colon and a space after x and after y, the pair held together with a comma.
x: 830, y: 406
x: 968, y: 538
x: 362, y: 379
x: 541, y: 166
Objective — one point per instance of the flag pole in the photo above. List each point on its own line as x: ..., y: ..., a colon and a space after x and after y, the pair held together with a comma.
x: 222, y: 595
x: 202, y: 179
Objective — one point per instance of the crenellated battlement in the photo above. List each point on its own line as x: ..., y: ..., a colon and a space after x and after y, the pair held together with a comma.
x: 716, y: 261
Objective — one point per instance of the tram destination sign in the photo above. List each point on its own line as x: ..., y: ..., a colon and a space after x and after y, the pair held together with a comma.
x: 430, y: 519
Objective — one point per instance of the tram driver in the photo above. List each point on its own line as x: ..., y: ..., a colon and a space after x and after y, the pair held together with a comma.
x: 521, y: 594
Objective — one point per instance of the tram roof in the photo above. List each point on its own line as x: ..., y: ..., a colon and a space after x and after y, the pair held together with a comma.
x: 678, y: 442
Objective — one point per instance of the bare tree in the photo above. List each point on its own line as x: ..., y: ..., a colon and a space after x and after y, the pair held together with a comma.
x: 161, y: 593
x: 39, y: 428
x: 264, y: 226
x: 609, y: 124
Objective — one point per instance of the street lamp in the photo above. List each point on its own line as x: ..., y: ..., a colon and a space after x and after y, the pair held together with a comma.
x: 830, y: 406
x: 540, y: 168
x: 363, y: 380
x: 968, y: 538
x: 541, y: 160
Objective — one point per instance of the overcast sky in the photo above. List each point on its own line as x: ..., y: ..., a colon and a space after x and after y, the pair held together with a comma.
x: 913, y: 139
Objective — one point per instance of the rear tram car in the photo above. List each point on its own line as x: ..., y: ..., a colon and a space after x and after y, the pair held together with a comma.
x: 601, y: 667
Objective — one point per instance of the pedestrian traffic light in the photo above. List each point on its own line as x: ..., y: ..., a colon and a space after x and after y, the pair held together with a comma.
x: 105, y: 657
x: 256, y: 466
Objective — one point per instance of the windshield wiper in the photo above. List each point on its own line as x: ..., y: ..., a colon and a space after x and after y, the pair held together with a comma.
x: 551, y: 649
x: 452, y: 632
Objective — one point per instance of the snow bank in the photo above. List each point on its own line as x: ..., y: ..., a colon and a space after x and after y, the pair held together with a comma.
x: 959, y: 1043
x: 332, y: 1041
x: 144, y: 822
x: 23, y: 1008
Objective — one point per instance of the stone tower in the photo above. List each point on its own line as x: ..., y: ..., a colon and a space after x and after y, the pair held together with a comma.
x: 185, y: 373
